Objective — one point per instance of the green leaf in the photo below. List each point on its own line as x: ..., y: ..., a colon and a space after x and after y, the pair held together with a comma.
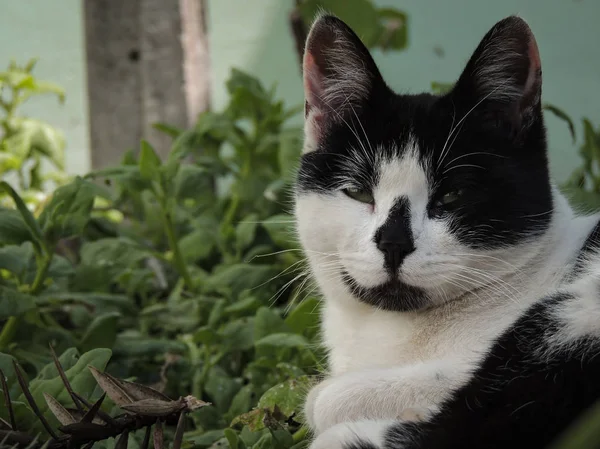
x: 394, y: 29
x: 290, y: 149
x: 288, y: 396
x: 198, y: 244
x: 252, y: 420
x: 101, y: 333
x: 221, y: 388
x: 149, y: 162
x: 96, y: 300
x: 17, y: 259
x: 13, y: 229
x: 27, y: 216
x: 69, y: 210
x: 304, y: 318
x: 245, y: 231
x: 193, y: 181
x: 563, y: 116
x: 441, y: 88
x: 80, y: 378
x: 244, y: 305
x: 232, y: 438
x: 268, y: 322
x: 583, y: 201
x: 14, y: 303
x: 238, y: 277
x: 584, y: 433
x: 7, y: 367
x: 281, y: 230
x: 112, y: 254
x: 67, y: 360
x: 136, y: 345
x: 34, y: 136
x: 237, y: 334
x: 38, y: 87
x: 169, y: 130
x: 283, y: 340
x: 242, y: 401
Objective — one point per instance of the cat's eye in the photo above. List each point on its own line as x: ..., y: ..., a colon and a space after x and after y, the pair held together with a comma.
x: 449, y: 198
x: 362, y: 195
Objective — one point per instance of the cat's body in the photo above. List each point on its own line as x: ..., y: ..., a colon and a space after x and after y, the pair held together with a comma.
x: 438, y: 242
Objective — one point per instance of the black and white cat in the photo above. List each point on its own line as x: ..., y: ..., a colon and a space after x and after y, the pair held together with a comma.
x: 462, y: 294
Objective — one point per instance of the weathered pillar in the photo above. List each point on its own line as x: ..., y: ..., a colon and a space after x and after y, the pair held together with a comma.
x: 147, y: 62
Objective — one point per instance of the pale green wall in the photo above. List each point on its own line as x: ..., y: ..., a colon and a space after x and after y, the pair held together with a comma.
x: 53, y: 31
x: 253, y: 35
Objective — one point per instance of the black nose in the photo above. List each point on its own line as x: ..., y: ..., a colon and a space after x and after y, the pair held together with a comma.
x: 395, y: 251
x: 394, y: 239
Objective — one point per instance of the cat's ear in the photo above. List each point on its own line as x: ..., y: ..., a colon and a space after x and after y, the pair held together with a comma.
x: 505, y: 71
x: 339, y: 77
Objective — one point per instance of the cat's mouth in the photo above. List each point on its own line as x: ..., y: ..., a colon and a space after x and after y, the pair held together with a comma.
x: 393, y: 295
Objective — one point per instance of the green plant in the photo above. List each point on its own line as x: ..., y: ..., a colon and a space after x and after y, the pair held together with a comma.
x: 27, y: 143
x: 74, y: 378
x: 185, y: 268
x: 382, y: 28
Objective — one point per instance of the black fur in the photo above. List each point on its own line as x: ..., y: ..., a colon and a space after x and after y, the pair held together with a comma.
x: 496, y: 155
x: 393, y: 295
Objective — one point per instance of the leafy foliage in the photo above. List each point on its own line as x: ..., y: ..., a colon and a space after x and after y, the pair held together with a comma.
x: 85, y: 423
x: 27, y: 143
x: 384, y: 28
x: 185, y: 268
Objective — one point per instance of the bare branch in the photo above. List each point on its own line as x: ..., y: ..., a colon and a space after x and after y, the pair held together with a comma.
x: 31, y: 401
x: 63, y: 376
x: 7, y: 401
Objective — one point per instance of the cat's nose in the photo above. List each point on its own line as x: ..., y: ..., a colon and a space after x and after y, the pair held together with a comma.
x: 394, y: 239
x: 395, y: 251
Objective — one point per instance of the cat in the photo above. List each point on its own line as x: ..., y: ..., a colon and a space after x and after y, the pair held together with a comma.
x: 461, y: 291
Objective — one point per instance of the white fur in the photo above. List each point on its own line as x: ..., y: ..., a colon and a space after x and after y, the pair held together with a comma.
x: 382, y: 393
x: 339, y: 436
x: 383, y: 363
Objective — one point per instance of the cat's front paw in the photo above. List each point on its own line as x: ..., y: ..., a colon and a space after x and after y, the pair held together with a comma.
x: 346, y: 399
x: 355, y: 435
x: 310, y: 402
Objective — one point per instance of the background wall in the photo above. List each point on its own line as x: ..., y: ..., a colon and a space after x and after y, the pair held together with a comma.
x: 52, y: 31
x: 254, y: 36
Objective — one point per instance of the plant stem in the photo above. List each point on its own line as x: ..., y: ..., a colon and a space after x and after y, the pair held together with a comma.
x: 40, y: 276
x: 8, y: 331
x: 178, y: 258
x: 300, y: 435
x: 231, y: 211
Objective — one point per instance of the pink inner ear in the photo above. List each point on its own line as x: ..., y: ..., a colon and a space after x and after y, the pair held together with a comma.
x: 535, y: 64
x: 313, y: 82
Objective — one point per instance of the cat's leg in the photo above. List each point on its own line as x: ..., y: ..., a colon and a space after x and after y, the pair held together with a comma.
x: 407, y: 393
x: 367, y: 434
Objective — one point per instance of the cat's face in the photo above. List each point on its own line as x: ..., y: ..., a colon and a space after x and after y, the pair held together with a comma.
x: 407, y: 201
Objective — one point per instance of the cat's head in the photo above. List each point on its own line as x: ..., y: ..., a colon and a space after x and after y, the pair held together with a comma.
x: 407, y: 201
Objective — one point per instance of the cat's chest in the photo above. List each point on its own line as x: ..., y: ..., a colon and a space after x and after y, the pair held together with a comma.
x: 358, y: 340
x: 359, y: 337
